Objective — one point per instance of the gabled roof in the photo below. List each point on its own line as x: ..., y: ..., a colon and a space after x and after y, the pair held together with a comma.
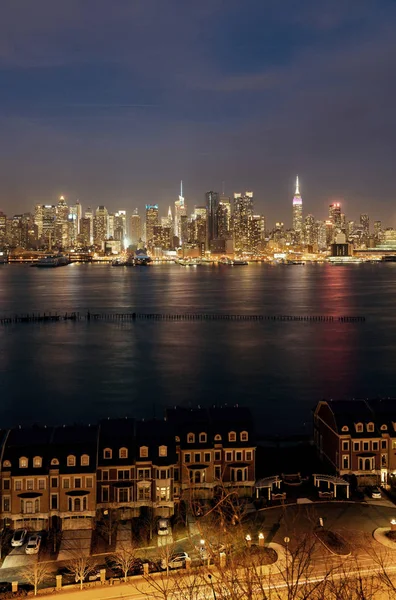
x: 27, y: 442
x: 116, y: 434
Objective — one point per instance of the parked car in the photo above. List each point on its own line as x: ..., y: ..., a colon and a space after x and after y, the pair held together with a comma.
x: 19, y: 537
x: 33, y: 545
x: 376, y: 493
x: 92, y: 576
x: 163, y: 527
x: 175, y: 561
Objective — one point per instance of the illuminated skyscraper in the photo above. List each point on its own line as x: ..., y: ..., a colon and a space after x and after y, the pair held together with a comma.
x: 310, y: 230
x: 335, y: 214
x: 38, y: 219
x: 3, y: 229
x: 62, y: 227
x: 365, y: 223
x: 224, y: 218
x: 100, y: 225
x: 152, y: 220
x: 180, y: 209
x: 49, y: 220
x: 297, y: 213
x: 242, y: 218
x: 89, y: 215
x: 212, y: 204
x: 135, y: 228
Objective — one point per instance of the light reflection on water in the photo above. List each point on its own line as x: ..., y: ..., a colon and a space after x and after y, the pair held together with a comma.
x: 69, y: 371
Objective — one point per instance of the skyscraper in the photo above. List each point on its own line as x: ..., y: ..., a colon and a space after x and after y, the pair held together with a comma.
x: 242, y: 217
x: 100, y: 225
x: 297, y: 213
x: 89, y: 215
x: 335, y: 214
x: 49, y: 220
x: 180, y: 209
x: 152, y: 220
x: 61, y: 228
x: 365, y: 223
x: 212, y: 204
x: 224, y: 218
x: 135, y: 228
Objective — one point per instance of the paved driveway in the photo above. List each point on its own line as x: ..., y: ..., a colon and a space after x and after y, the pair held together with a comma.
x: 74, y: 543
x: 18, y: 558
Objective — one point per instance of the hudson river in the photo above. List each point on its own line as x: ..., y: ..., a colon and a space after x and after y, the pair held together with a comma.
x: 68, y: 372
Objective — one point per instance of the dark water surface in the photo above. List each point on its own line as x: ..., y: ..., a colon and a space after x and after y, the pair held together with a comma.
x: 66, y: 372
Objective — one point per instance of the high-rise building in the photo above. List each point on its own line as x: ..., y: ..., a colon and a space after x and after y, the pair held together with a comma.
x: 74, y: 222
x: 378, y: 233
x: 212, y: 204
x: 335, y: 215
x: 100, y: 225
x: 38, y: 219
x: 180, y: 209
x: 85, y: 234
x: 48, y: 223
x: 3, y: 229
x: 61, y: 226
x: 321, y: 235
x: 152, y: 220
x: 89, y: 215
x: 224, y: 218
x: 310, y: 230
x: 365, y: 223
x: 135, y: 228
x: 297, y: 213
x: 120, y: 229
x: 242, y: 217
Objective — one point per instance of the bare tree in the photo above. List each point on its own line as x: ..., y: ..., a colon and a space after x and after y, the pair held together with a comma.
x: 125, y: 558
x: 36, y: 574
x: 80, y: 564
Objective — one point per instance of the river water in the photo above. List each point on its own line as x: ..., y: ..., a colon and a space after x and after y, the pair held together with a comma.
x: 68, y: 372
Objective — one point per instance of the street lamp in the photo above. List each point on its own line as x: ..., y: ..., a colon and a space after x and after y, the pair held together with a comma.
x: 261, y: 539
x: 211, y: 583
x: 393, y: 525
x: 248, y: 539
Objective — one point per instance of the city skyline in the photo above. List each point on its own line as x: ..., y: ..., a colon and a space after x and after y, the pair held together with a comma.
x: 247, y: 94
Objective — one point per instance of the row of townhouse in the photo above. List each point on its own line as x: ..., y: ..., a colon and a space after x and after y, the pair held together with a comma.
x: 358, y: 437
x: 67, y: 477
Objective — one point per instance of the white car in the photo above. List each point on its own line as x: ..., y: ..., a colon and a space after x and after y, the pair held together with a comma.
x: 19, y: 538
x: 163, y: 527
x: 376, y: 493
x: 33, y: 545
x: 176, y: 561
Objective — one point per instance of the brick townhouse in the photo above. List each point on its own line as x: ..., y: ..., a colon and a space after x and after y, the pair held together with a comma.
x: 358, y: 437
x: 67, y: 477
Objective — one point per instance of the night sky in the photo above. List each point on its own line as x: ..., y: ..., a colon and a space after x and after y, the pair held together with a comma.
x: 114, y: 101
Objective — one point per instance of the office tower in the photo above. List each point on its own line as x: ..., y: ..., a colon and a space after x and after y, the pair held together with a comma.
x: 74, y: 220
x: 200, y: 226
x: 100, y: 225
x: 89, y: 215
x: 3, y: 229
x: 120, y: 230
x: 85, y: 234
x: 343, y: 222
x: 242, y: 217
x: 168, y: 220
x: 224, y: 218
x: 310, y: 230
x: 378, y: 234
x: 180, y: 209
x: 321, y: 235
x: 255, y: 237
x: 297, y: 213
x: 349, y: 230
x: 330, y: 232
x: 335, y: 214
x: 48, y: 223
x: 183, y: 230
x: 365, y: 223
x: 152, y: 220
x: 162, y: 237
x: 110, y: 226
x: 61, y: 226
x: 135, y: 228
x: 38, y: 219
x: 212, y: 204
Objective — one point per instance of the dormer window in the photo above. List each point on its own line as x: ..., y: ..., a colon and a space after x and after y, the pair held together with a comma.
x: 177, y: 438
x: 203, y: 438
x: 143, y: 452
x: 54, y: 461
x: 107, y: 453
x: 232, y: 436
x: 359, y: 427
x: 37, y: 462
x: 384, y: 427
x: 345, y: 428
x: 190, y: 438
x: 163, y: 451
x: 23, y: 462
x: 84, y: 460
x: 6, y: 464
x: 217, y: 437
x: 123, y: 453
x: 244, y: 436
x: 370, y: 426
x: 71, y: 460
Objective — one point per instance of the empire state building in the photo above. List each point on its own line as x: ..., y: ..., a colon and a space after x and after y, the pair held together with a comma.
x: 297, y: 212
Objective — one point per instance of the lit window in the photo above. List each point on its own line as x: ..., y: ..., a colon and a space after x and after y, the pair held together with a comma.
x: 177, y: 438
x: 384, y: 427
x: 6, y: 464
x: 84, y: 460
x: 71, y: 460
x: 359, y: 427
x: 202, y: 438
x: 37, y: 462
x: 248, y: 455
x: 232, y: 436
x: 123, y: 452
x: 244, y: 436
x: 345, y: 445
x: 54, y: 461
x: 190, y: 438
x: 345, y: 428
x: 163, y: 451
x: 107, y: 453
x: 217, y: 437
x: 370, y: 426
x: 23, y: 462
x: 143, y: 452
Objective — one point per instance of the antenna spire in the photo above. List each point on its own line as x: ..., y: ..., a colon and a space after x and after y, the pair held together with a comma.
x: 297, y: 187
x: 181, y: 188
